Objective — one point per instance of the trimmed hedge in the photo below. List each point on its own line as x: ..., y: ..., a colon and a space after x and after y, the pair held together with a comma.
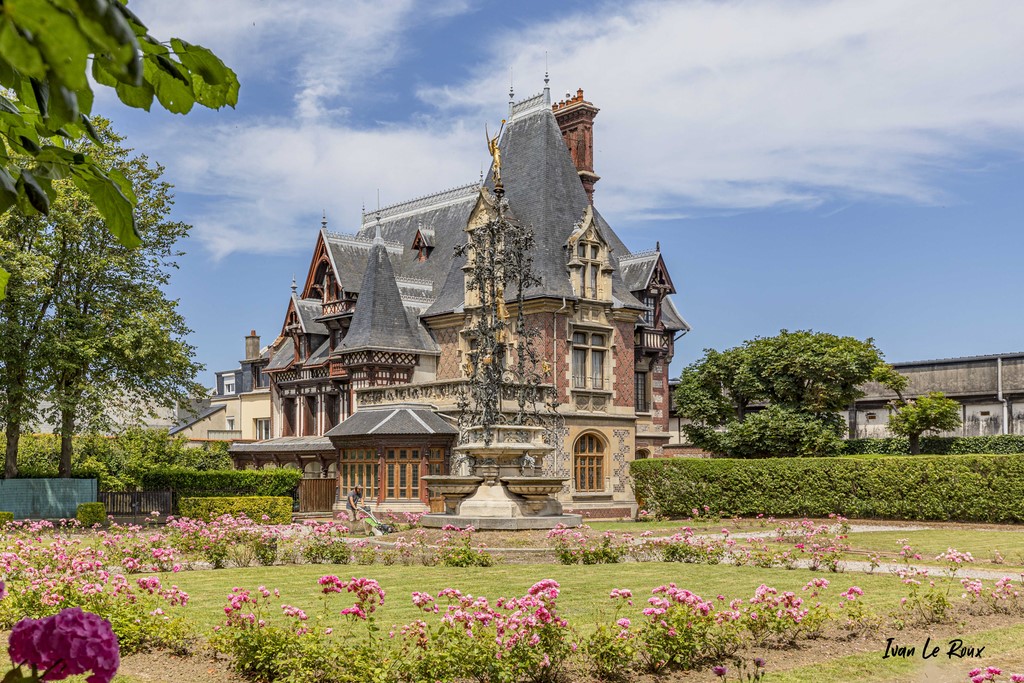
x: 196, y: 483
x: 6, y: 518
x: 91, y: 513
x: 976, y: 488
x: 278, y: 508
x: 1002, y: 444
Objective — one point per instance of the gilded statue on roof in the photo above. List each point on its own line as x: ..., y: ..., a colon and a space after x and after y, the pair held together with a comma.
x: 492, y: 148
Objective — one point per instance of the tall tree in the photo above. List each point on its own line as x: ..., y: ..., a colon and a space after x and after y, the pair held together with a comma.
x: 46, y: 50
x: 111, y: 345
x: 930, y: 413
x: 805, y: 377
x: 24, y: 248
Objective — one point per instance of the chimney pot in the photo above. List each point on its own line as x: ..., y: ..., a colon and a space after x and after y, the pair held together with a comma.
x: 252, y: 346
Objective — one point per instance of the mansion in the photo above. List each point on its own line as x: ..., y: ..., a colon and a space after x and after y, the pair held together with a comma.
x: 365, y: 377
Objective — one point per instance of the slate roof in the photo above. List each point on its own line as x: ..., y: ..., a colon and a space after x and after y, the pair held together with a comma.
x: 381, y: 320
x: 670, y: 317
x: 444, y: 213
x: 392, y: 420
x: 283, y: 357
x: 286, y: 444
x: 637, y: 269
x: 543, y: 189
x: 320, y: 356
x: 348, y: 255
x: 309, y: 310
x: 205, y: 413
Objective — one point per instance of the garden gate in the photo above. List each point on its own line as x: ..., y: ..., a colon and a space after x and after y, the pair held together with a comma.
x: 317, y: 495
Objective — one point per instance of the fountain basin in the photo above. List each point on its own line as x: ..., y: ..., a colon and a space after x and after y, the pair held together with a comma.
x: 534, y: 486
x: 444, y: 485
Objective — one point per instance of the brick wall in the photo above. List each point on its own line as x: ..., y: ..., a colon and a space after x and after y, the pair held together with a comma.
x: 624, y: 364
x: 450, y: 358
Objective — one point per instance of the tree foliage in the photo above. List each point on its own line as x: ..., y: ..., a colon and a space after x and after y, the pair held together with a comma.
x: 121, y: 462
x: 86, y: 323
x: 930, y: 413
x: 47, y: 50
x: 803, y: 378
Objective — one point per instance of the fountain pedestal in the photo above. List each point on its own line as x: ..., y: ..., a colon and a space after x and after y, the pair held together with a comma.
x: 497, y: 485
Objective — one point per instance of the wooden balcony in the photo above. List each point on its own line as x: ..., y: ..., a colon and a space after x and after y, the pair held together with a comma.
x: 340, y: 307
x: 648, y: 341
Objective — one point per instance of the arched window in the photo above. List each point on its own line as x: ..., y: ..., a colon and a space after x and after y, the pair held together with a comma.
x: 588, y: 463
x: 643, y: 454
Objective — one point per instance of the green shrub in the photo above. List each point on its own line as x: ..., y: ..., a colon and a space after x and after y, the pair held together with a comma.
x: 777, y: 431
x: 6, y: 518
x: 199, y: 483
x: 91, y: 513
x: 978, y: 488
x: 277, y: 508
x: 1003, y: 444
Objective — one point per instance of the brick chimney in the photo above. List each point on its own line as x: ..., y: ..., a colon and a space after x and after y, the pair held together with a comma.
x: 575, y: 118
x: 252, y: 346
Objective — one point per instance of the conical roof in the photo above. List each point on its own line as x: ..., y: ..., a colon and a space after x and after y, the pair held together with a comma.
x: 380, y: 320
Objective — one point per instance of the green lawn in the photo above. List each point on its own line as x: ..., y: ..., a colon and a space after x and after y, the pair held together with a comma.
x: 584, y: 588
x: 930, y: 543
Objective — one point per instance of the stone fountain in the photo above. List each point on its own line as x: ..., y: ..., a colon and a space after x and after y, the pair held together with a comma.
x: 496, y: 472
x: 499, y: 485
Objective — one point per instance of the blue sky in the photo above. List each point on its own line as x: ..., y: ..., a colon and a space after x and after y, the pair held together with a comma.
x: 848, y: 166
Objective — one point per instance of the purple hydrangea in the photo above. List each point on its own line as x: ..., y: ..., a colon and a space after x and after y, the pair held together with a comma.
x: 66, y: 644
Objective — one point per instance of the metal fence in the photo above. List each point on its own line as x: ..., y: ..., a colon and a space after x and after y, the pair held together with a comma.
x: 45, y: 498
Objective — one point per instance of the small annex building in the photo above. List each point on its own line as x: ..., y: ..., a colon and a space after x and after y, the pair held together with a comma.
x: 366, y: 373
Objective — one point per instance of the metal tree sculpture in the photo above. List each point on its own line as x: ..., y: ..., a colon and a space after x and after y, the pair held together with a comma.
x: 499, y: 255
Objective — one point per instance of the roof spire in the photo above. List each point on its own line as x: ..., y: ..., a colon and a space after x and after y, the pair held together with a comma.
x: 295, y: 286
x: 657, y: 246
x: 323, y: 221
x: 377, y: 239
x: 547, y: 90
x: 511, y: 92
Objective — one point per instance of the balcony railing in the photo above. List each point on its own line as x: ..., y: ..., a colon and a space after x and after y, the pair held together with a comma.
x: 651, y: 341
x: 338, y: 307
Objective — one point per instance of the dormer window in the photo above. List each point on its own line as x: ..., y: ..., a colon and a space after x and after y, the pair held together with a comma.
x: 589, y: 277
x: 422, y: 244
x: 650, y: 303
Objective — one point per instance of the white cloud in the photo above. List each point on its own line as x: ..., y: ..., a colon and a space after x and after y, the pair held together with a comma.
x: 755, y: 104
x: 705, y: 105
x: 324, y: 47
x: 268, y: 182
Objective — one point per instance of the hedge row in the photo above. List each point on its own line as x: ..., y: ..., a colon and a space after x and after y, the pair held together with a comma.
x: 940, y: 445
x: 186, y: 482
x: 277, y: 508
x: 977, y: 488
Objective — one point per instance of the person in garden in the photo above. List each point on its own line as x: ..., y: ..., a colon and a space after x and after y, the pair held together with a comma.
x: 353, y: 502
